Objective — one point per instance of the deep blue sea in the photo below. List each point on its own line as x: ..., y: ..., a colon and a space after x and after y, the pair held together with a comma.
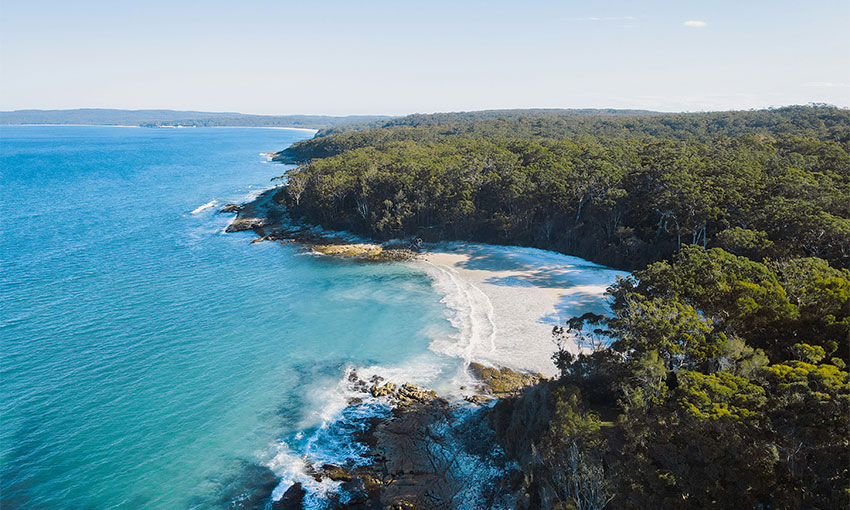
x: 148, y: 359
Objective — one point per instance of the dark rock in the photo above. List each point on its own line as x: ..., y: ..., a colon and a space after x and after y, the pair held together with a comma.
x: 242, y: 224
x: 404, y: 471
x: 230, y: 208
x: 292, y: 499
x: 358, y: 495
x: 336, y: 473
x: 478, y: 399
x: 247, y: 487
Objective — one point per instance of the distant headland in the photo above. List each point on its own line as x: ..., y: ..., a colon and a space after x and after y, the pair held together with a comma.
x: 329, y: 123
x: 178, y: 118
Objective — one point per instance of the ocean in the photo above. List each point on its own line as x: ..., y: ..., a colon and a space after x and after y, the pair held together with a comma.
x: 149, y: 360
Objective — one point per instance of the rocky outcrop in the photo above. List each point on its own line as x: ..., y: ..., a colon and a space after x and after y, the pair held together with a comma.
x: 404, y: 395
x: 385, y: 390
x: 366, y: 252
x: 292, y: 499
x: 501, y: 382
x: 519, y: 421
x: 262, y: 212
x: 416, y: 452
x: 406, y: 472
x: 269, y: 220
x: 230, y: 208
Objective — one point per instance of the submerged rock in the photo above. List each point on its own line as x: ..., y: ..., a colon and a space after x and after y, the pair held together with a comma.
x: 246, y: 487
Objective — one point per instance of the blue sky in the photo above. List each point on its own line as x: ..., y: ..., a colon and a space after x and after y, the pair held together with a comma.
x: 398, y: 57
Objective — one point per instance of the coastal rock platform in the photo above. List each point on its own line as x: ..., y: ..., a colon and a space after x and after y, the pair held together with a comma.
x: 427, y: 453
x: 268, y: 219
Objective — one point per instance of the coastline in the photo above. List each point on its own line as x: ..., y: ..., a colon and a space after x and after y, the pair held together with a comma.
x: 308, y: 130
x: 503, y: 302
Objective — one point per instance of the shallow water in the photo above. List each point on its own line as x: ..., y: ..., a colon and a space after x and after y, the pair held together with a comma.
x: 148, y: 359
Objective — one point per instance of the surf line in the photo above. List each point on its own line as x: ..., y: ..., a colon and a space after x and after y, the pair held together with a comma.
x: 473, y: 310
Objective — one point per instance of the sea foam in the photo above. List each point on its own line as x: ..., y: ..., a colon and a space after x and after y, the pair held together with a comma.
x: 327, y: 434
x: 208, y: 205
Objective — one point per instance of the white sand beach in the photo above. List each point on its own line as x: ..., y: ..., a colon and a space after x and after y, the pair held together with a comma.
x: 506, y: 300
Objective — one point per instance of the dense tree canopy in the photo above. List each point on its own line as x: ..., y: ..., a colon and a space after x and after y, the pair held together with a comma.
x: 818, y: 121
x: 729, y: 377
x: 624, y: 198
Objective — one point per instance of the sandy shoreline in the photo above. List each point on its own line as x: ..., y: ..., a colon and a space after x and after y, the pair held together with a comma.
x: 507, y: 299
x: 503, y: 300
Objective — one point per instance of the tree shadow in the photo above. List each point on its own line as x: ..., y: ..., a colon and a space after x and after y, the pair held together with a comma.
x: 586, y: 282
x: 575, y: 305
x: 537, y: 268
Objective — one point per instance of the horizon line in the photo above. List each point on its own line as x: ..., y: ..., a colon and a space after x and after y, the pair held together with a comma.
x: 537, y: 108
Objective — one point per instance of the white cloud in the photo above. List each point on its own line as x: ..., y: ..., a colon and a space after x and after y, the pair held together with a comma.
x: 695, y: 24
x: 828, y: 84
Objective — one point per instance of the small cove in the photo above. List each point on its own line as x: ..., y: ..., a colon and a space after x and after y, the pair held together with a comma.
x: 150, y: 360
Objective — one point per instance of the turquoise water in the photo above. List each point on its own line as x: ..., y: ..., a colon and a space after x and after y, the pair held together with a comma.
x: 148, y: 359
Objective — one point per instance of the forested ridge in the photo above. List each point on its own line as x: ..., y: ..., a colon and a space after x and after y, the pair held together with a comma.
x: 818, y: 121
x: 608, y: 188
x: 719, y: 379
